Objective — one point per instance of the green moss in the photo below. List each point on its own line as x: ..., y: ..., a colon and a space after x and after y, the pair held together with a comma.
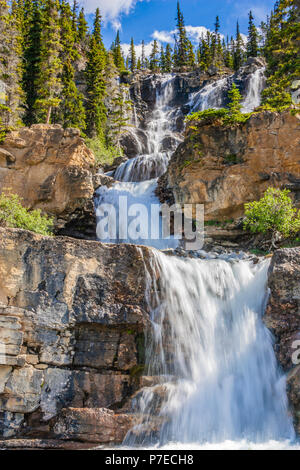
x: 137, y: 371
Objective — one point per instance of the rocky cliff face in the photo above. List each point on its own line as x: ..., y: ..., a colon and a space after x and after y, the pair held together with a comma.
x: 72, y: 322
x: 283, y: 319
x: 223, y: 167
x: 51, y: 169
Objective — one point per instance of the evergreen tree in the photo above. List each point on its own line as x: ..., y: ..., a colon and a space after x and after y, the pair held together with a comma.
x: 191, y: 59
x: 282, y: 53
x: 162, y: 60
x: 32, y: 63
x: 49, y: 80
x: 168, y: 59
x: 71, y: 111
x: 82, y: 26
x: 252, y: 43
x: 238, y: 50
x: 154, y: 60
x: 117, y: 53
x: 235, y: 99
x: 119, y: 116
x: 132, y: 56
x: 74, y: 16
x: 10, y: 68
x: 95, y: 82
x: 181, y: 59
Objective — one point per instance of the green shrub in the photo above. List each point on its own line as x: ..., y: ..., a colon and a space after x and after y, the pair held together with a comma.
x: 273, y: 214
x: 104, y: 154
x: 13, y: 214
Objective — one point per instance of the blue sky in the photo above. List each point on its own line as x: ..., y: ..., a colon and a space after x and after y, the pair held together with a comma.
x: 148, y: 19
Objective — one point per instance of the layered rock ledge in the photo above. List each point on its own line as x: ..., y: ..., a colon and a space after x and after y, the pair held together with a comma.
x: 72, y: 322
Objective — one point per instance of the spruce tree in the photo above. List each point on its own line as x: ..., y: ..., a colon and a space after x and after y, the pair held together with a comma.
x: 119, y: 115
x: 71, y: 112
x: 95, y: 82
x: 282, y: 53
x: 252, y: 43
x: 168, y: 59
x: 117, y: 53
x: 132, y: 56
x: 143, y: 56
x: 32, y: 62
x: 49, y: 81
x: 154, y: 60
x: 10, y: 68
x: 82, y: 26
x: 74, y: 16
x: 182, y: 43
x: 162, y: 60
x: 238, y: 50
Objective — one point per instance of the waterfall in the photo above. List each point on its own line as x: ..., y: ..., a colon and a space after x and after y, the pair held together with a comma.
x: 210, y: 96
x: 159, y: 127
x: 255, y: 86
x: 218, y: 376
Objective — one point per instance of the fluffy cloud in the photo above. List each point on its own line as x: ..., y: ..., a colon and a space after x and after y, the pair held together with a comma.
x: 194, y: 33
x: 111, y: 10
x: 138, y: 49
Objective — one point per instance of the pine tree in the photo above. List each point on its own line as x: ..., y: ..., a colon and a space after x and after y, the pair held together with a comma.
x: 238, y: 55
x: 95, y: 82
x: 252, y: 43
x: 117, y: 53
x: 168, y: 59
x: 71, y: 112
x: 10, y: 68
x: 191, y: 59
x: 49, y: 81
x: 74, y: 16
x: 32, y: 62
x: 132, y: 56
x: 82, y: 26
x: 119, y: 116
x: 282, y: 53
x: 154, y: 60
x: 182, y: 43
x: 235, y: 99
x: 162, y: 60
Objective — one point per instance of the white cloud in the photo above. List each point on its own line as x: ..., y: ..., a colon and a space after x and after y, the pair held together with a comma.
x: 194, y: 33
x: 138, y: 49
x: 111, y: 10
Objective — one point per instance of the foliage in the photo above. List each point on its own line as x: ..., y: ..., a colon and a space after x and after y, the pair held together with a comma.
x: 274, y: 213
x: 104, y: 154
x: 13, y: 214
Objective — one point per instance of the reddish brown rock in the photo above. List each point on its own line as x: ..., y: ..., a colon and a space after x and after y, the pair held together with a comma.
x: 225, y: 167
x: 52, y: 169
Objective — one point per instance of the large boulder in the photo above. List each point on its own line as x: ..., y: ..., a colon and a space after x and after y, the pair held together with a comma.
x: 52, y: 169
x: 225, y: 167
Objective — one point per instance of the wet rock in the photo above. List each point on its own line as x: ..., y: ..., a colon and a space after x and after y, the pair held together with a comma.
x: 282, y: 318
x: 92, y: 425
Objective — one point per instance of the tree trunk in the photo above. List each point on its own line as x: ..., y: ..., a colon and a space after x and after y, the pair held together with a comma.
x: 49, y: 115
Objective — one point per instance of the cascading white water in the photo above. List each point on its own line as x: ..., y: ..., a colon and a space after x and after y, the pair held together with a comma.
x: 214, y: 94
x: 217, y: 382
x: 208, y: 337
x: 255, y: 87
x: 159, y: 126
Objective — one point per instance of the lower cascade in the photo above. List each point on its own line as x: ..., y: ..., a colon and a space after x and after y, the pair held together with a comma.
x: 210, y: 356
